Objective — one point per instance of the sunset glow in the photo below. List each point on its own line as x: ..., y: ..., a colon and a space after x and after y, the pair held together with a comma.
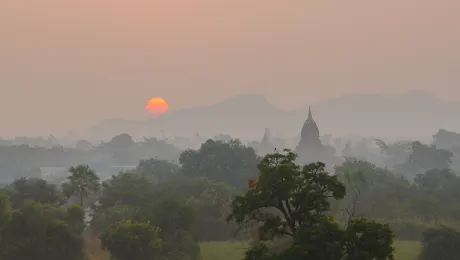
x: 157, y: 106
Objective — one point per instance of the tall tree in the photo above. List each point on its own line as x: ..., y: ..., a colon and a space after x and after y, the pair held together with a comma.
x: 230, y: 162
x: 81, y: 183
x: 291, y: 202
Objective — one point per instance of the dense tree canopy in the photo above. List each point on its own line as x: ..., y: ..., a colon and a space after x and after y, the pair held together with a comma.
x: 157, y: 168
x: 37, y: 190
x: 41, y: 231
x: 5, y: 211
x: 26, y: 159
x: 136, y: 197
x: 132, y: 240
x: 230, y: 162
x: 440, y: 243
x: 292, y: 201
x: 292, y: 211
x: 426, y: 157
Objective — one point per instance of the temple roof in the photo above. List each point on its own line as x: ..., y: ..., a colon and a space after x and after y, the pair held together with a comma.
x: 267, y: 136
x: 309, y: 127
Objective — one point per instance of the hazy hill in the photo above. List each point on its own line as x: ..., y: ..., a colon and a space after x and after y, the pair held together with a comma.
x: 416, y: 114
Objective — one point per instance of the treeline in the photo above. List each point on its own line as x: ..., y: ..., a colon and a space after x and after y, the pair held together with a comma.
x: 161, y: 210
x: 27, y: 161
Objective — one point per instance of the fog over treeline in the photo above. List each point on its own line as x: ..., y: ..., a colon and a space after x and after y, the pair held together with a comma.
x: 192, y: 195
x: 116, y: 143
x: 412, y: 115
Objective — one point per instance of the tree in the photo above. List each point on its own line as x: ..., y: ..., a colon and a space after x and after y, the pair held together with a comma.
x: 229, y: 162
x: 83, y: 145
x: 291, y: 202
x: 41, y: 231
x: 160, y: 169
x: 128, y: 189
x: 438, y: 192
x: 441, y: 243
x: 168, y: 206
x: 5, y: 211
x: 371, y: 191
x: 426, y: 157
x: 132, y: 240
x: 103, y: 218
x: 34, y: 189
x: 396, y: 153
x: 81, y: 183
x: 437, y: 179
x: 120, y: 142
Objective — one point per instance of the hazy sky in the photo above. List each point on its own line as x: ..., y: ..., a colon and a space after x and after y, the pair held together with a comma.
x: 66, y: 64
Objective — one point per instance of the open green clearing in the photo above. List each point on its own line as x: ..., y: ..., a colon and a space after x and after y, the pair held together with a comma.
x: 405, y: 250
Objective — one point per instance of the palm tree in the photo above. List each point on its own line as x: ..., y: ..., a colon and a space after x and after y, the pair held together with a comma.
x: 81, y: 183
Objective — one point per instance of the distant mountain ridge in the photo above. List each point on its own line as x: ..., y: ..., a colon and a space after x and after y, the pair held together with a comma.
x: 413, y: 113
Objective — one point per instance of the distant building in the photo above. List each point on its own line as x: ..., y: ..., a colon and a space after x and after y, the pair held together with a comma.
x: 310, y: 148
x: 266, y: 145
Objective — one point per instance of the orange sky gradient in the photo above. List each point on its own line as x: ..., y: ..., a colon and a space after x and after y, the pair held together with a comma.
x: 69, y: 64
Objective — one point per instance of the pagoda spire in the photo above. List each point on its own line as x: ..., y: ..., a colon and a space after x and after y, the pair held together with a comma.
x: 310, y: 116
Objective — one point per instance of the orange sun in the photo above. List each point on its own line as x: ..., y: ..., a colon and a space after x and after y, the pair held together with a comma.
x: 157, y: 106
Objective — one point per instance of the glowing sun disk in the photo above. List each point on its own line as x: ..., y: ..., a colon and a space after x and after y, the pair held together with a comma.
x: 157, y: 106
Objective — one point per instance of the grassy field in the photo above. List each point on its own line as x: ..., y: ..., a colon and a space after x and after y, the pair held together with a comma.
x: 405, y: 250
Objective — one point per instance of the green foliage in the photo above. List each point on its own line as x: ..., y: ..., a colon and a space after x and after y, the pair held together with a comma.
x: 404, y: 250
x: 124, y: 151
x: 82, y: 183
x: 181, y: 245
x: 377, y: 193
x: 210, y: 201
x: 41, y: 231
x: 75, y: 215
x: 371, y: 191
x: 157, y: 168
x: 34, y: 189
x: 396, y: 154
x: 441, y: 243
x: 132, y: 240
x: 132, y: 196
x: 103, y: 218
x: 127, y: 188
x: 426, y: 157
x: 293, y: 201
x: 171, y: 214
x: 5, y: 211
x: 438, y: 179
x: 295, y: 193
x: 368, y: 240
x: 126, y: 194
x: 230, y: 162
x: 413, y: 228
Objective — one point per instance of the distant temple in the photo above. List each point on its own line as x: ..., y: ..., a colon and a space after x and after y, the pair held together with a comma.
x: 310, y: 149
x: 266, y: 145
